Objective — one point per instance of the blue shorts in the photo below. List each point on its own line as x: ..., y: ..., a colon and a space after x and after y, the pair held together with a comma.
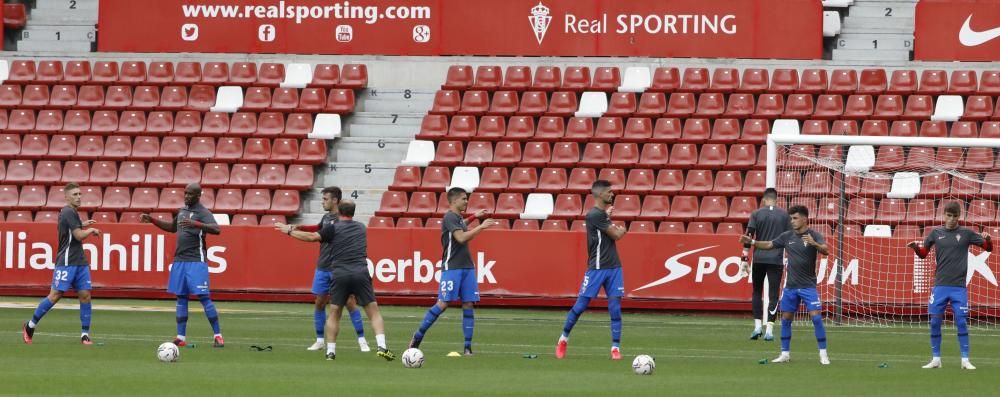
x: 188, y: 278
x: 791, y: 298
x: 609, y: 279
x: 75, y: 277
x: 459, y: 284
x: 941, y: 296
x: 321, y: 282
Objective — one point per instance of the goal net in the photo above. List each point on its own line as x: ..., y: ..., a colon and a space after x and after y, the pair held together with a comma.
x: 869, y: 196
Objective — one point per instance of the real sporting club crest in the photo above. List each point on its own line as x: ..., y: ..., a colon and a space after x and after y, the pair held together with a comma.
x: 540, y: 20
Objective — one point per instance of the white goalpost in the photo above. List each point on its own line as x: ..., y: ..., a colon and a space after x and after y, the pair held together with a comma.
x: 870, y: 196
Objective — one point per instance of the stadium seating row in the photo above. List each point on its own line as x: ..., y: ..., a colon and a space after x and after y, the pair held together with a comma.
x: 96, y: 147
x: 195, y: 97
x: 79, y: 72
x: 119, y: 198
x: 724, y: 80
x: 157, y: 174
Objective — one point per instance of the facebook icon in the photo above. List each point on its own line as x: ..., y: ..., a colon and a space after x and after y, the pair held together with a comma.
x: 266, y: 33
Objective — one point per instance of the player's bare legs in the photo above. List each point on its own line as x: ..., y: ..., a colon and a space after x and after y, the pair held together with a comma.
x: 332, y: 330
x: 378, y: 324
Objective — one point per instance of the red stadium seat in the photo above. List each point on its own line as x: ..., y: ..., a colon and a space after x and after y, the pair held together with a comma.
x: 517, y: 78
x: 667, y: 130
x: 243, y: 73
x: 920, y: 212
x: 160, y: 73
x: 422, y: 204
x: 814, y: 81
x: 724, y: 80
x: 459, y: 77
x: 506, y: 154
x: 270, y: 74
x: 227, y: 149
x: 104, y: 73
x: 493, y: 179
x: 596, y: 155
x: 843, y: 82
x: 874, y: 128
x: 116, y: 199
x: 446, y: 103
x: 580, y: 180
x: 200, y: 97
x: 918, y: 107
x: 621, y: 104
x: 654, y: 208
x: 215, y: 175
x: 536, y: 154
x: 888, y: 107
x: 754, y: 81
x: 523, y: 128
x: 243, y: 175
x: 579, y: 129
x: 552, y: 180
x: 257, y: 201
x: 380, y: 221
x: 829, y: 107
x: 963, y: 129
x: 872, y: 81
x: 298, y: 124
x: 698, y: 182
x: 565, y: 154
x: 710, y: 105
x: 256, y: 150
x: 695, y: 80
x: 256, y: 98
x: 482, y: 201
x: 325, y: 76
x: 638, y: 130
x: 769, y: 106
x: 146, y: 98
x: 118, y: 97
x: 533, y: 104
x: 606, y: 79
x: 933, y: 82
x: 640, y: 181
x: 799, y: 106
x: 741, y: 209
x: 683, y: 208
x: 46, y: 172
x: 728, y: 183
x: 406, y: 179
x: 32, y: 197
x: 712, y: 156
x: 683, y: 155
x: 525, y: 224
x: 478, y: 153
x: 976, y: 160
x: 353, y: 76
x: 608, y: 129
x: 669, y: 181
x: 35, y: 96
x: 567, y: 206
x: 815, y: 127
x: 740, y: 106
x: 563, y: 104
x: 284, y: 100
x: 978, y: 108
x: 144, y: 199
x: 681, y: 105
x: 784, y: 81
x: 435, y: 178
x: 547, y: 78
x: 132, y: 73
x: 858, y: 107
x: 341, y: 101
x: 713, y: 209
x: 665, y: 80
x: 902, y: 82
x: 298, y: 177
x: 488, y: 78
x: 614, y: 175
x: 433, y: 127
x: 20, y: 171
x: 576, y: 79
x: 474, y: 103
x: 554, y: 225
x: 49, y: 72
x: 509, y: 205
x: 228, y: 201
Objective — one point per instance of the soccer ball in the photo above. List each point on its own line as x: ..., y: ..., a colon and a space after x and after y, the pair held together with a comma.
x: 413, y: 358
x: 168, y: 352
x: 643, y: 365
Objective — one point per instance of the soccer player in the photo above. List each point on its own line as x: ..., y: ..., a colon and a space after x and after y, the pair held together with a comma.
x: 952, y: 256
x: 346, y: 243
x: 801, y: 244
x: 766, y: 223
x: 189, y: 271
x: 458, y: 276
x: 604, y: 269
x: 322, y: 278
x: 71, y: 268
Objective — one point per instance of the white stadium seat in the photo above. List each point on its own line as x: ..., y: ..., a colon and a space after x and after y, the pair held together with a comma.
x: 228, y: 99
x: 592, y: 104
x: 831, y: 23
x: 539, y: 206
x: 419, y: 154
x: 878, y: 231
x: 860, y: 158
x: 326, y: 126
x: 785, y: 127
x: 636, y: 79
x: 466, y: 178
x: 905, y: 185
x: 221, y: 219
x: 948, y: 108
x: 297, y: 75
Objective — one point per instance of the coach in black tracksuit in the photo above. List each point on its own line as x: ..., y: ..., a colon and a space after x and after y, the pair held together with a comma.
x: 766, y: 223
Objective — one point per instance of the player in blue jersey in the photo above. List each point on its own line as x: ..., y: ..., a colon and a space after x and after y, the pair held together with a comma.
x: 604, y: 269
x: 71, y: 268
x: 458, y: 272
x: 323, y: 277
x: 346, y: 246
x: 801, y: 245
x: 951, y: 243
x: 189, y: 271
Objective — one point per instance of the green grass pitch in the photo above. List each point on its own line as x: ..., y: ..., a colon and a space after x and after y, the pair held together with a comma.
x: 695, y: 356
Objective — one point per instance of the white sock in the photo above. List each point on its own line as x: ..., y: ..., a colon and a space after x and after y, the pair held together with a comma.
x: 362, y: 339
x: 770, y: 327
x: 217, y: 336
x: 88, y: 334
x: 380, y: 341
x: 181, y: 337
x: 822, y: 352
x: 31, y: 324
x: 756, y: 323
x: 563, y: 338
x: 320, y: 340
x: 964, y: 359
x: 331, y: 348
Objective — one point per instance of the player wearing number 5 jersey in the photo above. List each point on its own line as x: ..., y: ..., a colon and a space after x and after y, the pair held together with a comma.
x: 604, y: 269
x: 458, y: 273
x: 952, y: 256
x: 71, y: 268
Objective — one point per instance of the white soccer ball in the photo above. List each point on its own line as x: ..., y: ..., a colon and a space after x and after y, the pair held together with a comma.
x: 168, y: 352
x: 413, y: 358
x: 643, y: 365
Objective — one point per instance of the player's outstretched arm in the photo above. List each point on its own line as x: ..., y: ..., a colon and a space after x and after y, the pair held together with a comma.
x: 309, y: 237
x: 162, y: 225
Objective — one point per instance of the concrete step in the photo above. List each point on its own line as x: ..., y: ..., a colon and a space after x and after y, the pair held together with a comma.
x: 54, y: 46
x: 871, y: 55
x: 56, y: 33
x: 887, y: 11
x: 874, y: 42
x: 62, y: 18
x: 387, y: 118
x: 383, y: 105
x: 369, y: 150
x: 358, y: 175
x: 381, y: 131
x: 880, y: 22
x: 66, y: 5
x: 397, y: 94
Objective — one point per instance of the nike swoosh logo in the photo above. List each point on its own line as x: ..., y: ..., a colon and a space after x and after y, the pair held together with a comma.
x: 675, y: 269
x: 773, y: 311
x: 972, y: 38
